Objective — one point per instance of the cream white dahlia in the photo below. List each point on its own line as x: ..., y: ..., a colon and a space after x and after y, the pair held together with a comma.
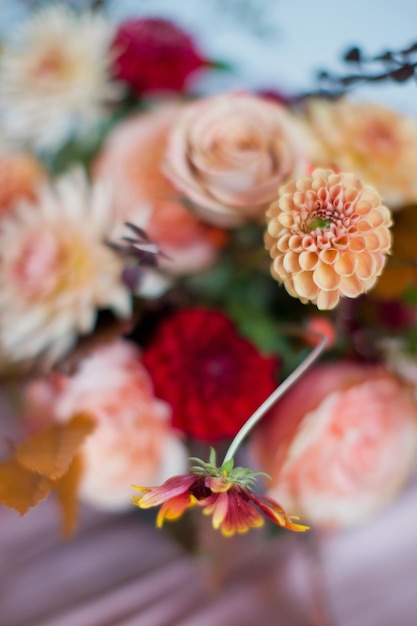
x: 56, y: 271
x: 55, y: 77
x: 376, y: 143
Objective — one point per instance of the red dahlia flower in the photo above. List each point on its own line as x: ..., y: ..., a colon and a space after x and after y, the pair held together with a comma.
x: 153, y: 54
x: 212, y: 378
x: 224, y: 493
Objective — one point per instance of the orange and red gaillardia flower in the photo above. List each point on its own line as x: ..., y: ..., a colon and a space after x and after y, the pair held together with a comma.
x: 224, y: 493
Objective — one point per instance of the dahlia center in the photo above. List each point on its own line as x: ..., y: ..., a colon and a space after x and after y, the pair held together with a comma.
x: 322, y: 217
x: 48, y: 265
x: 320, y: 222
x: 53, y: 65
x: 199, y: 489
x: 217, y: 366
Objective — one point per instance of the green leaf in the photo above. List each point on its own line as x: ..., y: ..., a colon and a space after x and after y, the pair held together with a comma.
x: 213, y: 457
x: 228, y: 466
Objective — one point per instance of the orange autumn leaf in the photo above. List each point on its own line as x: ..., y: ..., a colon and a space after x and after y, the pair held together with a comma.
x: 66, y: 489
x: 21, y: 489
x: 51, y: 451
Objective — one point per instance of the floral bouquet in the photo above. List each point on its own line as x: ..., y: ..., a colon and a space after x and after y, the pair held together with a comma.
x: 172, y: 263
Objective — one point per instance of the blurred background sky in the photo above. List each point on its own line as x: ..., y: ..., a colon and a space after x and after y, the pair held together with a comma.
x: 276, y: 44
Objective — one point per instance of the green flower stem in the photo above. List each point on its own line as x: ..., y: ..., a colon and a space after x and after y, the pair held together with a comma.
x: 279, y: 391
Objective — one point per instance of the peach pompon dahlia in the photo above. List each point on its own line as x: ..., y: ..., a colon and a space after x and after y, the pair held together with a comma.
x: 223, y: 492
x: 328, y: 236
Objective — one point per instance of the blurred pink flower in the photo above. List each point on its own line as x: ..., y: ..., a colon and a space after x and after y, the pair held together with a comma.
x: 376, y: 143
x: 340, y: 444
x: 55, y: 76
x: 328, y: 236
x: 131, y: 162
x: 133, y: 440
x: 229, y: 153
x: 20, y: 176
x: 55, y: 271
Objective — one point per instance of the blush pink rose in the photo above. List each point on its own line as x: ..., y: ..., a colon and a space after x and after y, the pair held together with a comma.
x: 131, y: 162
x: 133, y: 441
x: 229, y: 153
x: 340, y: 444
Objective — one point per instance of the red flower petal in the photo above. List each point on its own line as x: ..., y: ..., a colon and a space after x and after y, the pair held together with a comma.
x: 212, y: 378
x: 233, y: 512
x: 172, y: 488
x: 154, y: 54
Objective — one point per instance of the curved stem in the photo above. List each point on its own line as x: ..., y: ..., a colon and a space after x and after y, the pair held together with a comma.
x: 279, y: 391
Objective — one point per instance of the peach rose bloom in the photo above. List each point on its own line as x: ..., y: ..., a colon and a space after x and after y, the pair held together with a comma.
x: 340, y: 444
x: 20, y: 176
x: 133, y: 441
x: 229, y: 153
x: 377, y: 144
x: 328, y: 236
x: 131, y: 161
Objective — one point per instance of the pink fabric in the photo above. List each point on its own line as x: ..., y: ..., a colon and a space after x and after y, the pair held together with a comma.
x: 121, y: 571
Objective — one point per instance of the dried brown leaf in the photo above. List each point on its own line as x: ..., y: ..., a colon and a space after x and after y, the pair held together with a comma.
x: 51, y: 451
x: 21, y: 489
x: 66, y: 489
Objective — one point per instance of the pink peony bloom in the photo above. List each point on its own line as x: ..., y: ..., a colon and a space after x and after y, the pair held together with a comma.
x: 133, y: 439
x: 131, y: 162
x: 328, y: 236
x: 340, y: 444
x: 228, y: 154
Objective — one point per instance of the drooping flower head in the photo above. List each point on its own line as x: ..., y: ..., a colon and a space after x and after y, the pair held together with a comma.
x: 328, y: 236
x: 222, y: 492
x: 55, y: 269
x: 229, y: 153
x: 376, y: 143
x: 212, y: 378
x: 153, y: 54
x: 55, y: 79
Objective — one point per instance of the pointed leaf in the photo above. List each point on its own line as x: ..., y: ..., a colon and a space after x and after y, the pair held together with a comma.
x: 403, y: 73
x: 21, y: 489
x: 213, y: 457
x: 353, y: 55
x: 50, y: 452
x: 385, y: 56
x: 412, y: 48
x: 228, y: 466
